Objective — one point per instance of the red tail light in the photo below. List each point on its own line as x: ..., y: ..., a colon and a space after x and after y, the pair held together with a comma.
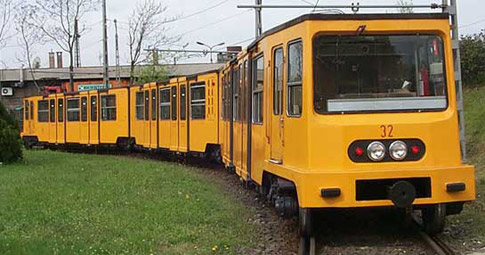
x: 359, y: 151
x: 415, y: 149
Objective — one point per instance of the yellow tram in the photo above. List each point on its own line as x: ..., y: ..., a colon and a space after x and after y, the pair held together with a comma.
x: 324, y: 111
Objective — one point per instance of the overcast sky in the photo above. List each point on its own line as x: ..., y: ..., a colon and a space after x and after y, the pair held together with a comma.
x: 224, y: 23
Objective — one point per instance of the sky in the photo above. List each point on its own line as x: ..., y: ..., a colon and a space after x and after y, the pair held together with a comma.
x: 222, y: 23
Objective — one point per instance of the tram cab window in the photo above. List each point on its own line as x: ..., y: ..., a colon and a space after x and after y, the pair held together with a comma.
x: 73, y: 111
x: 278, y: 81
x: 258, y: 80
x: 108, y: 107
x: 43, y: 111
x: 295, y: 75
x: 165, y: 104
x: 139, y: 106
x: 60, y: 110
x: 197, y: 101
x: 94, y: 108
x: 52, y: 110
x: 378, y: 73
x: 84, y: 109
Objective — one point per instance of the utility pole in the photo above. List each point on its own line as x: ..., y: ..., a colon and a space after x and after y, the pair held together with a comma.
x: 105, y: 48
x: 259, y: 21
x: 452, y: 9
x: 118, y: 71
x: 77, y: 49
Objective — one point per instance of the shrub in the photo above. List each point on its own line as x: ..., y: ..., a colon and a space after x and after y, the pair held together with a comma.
x: 472, y: 49
x: 10, y: 142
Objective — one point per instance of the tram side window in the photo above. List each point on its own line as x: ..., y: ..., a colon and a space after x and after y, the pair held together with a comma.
x: 165, y: 104
x: 139, y: 105
x: 295, y: 74
x: 60, y: 110
x: 108, y: 107
x: 43, y: 111
x: 84, y: 109
x: 197, y: 101
x: 174, y: 103
x: 147, y: 105
x: 154, y: 104
x: 52, y: 110
x: 258, y: 80
x: 94, y: 108
x: 183, y: 102
x: 73, y: 111
x: 27, y: 110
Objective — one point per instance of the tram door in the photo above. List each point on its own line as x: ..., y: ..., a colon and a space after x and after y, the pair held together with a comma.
x: 183, y: 123
x: 61, y: 119
x: 84, y: 125
x: 93, y: 118
x: 277, y: 118
x: 154, y: 117
x: 146, y: 123
x: 52, y: 120
x: 174, y: 125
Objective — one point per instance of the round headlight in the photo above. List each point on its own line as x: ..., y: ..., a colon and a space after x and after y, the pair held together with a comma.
x: 376, y: 151
x: 398, y: 150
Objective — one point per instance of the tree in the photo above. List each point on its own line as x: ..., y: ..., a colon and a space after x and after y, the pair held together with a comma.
x: 10, y: 143
x: 472, y: 49
x: 5, y: 16
x: 147, y: 29
x: 405, y: 6
x: 56, y: 20
x: 29, y: 37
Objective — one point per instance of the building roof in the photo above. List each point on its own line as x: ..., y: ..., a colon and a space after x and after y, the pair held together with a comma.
x: 96, y: 72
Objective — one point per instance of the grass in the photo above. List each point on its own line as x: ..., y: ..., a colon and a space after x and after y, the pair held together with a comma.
x: 59, y: 203
x: 473, y: 217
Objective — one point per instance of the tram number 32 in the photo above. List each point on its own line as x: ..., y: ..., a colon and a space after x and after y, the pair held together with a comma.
x: 387, y: 131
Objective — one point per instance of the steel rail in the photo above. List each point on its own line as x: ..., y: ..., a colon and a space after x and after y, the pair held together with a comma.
x: 433, y: 242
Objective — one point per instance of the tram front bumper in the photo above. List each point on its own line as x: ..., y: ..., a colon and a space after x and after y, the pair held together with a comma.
x: 374, y: 188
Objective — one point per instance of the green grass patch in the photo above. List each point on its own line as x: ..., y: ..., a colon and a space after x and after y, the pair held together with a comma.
x: 60, y: 203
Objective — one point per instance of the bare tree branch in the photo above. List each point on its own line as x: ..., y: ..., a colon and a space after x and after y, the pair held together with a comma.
x: 6, y: 7
x: 147, y: 29
x: 56, y: 19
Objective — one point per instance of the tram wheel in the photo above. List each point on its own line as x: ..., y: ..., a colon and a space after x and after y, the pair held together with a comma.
x: 434, y: 219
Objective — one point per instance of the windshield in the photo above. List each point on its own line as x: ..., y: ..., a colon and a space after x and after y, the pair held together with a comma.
x: 355, y: 73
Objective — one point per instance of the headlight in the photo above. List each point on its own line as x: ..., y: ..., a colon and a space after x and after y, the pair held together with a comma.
x: 398, y: 150
x: 376, y: 151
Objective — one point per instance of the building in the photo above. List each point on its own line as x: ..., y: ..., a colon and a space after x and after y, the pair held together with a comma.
x: 16, y: 84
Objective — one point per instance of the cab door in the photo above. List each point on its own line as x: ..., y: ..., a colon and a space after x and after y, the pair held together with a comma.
x: 183, y: 122
x: 277, y: 118
x: 164, y: 122
x: 61, y: 118
x: 146, y: 123
x: 174, y: 124
x: 154, y: 117
x: 93, y: 118
x: 52, y: 120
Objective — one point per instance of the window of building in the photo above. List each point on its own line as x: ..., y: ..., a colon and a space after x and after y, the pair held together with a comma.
x: 295, y: 74
x: 197, y: 101
x: 165, y: 104
x: 174, y: 103
x: 258, y: 82
x: 278, y: 81
x: 139, y: 106
x: 43, y: 111
x: 27, y: 110
x: 84, y: 109
x: 60, y: 110
x: 147, y: 105
x: 94, y: 108
x: 108, y: 107
x: 52, y: 110
x: 73, y: 111
x: 154, y: 104
x: 183, y: 102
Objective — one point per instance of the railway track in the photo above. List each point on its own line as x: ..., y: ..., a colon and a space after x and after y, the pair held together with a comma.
x: 432, y: 242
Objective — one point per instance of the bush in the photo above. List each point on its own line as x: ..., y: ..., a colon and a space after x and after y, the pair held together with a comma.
x: 10, y: 142
x: 472, y: 49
